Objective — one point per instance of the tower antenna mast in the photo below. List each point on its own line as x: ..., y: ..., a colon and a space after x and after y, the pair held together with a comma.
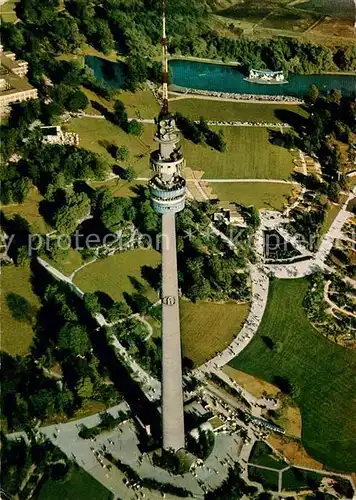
x: 164, y: 109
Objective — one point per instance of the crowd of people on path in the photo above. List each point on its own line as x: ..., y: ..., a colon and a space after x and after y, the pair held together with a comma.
x: 242, y: 97
x: 246, y: 124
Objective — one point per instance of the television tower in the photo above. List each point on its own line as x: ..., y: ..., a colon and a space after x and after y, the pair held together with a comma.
x: 167, y: 188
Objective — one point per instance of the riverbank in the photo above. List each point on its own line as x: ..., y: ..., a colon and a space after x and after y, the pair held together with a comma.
x: 203, y: 60
x: 228, y: 96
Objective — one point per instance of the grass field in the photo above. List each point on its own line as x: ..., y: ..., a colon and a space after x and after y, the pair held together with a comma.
x: 69, y: 264
x: 248, y: 155
x: 296, y: 479
x: 29, y: 210
x: 296, y: 18
x: 261, y: 195
x: 293, y: 451
x: 117, y: 274
x: 322, y: 374
x: 80, y: 485
x: 140, y: 104
x: 16, y: 336
x: 254, y: 385
x: 118, y: 187
x: 232, y: 111
x: 268, y: 478
x: 262, y: 454
x: 289, y: 20
x: 96, y: 135
x: 338, y: 8
x: 207, y: 327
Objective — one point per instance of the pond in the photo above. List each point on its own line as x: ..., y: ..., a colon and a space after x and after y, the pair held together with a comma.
x: 222, y: 78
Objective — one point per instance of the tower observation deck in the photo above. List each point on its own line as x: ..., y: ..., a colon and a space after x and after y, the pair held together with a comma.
x: 167, y: 189
x: 167, y: 186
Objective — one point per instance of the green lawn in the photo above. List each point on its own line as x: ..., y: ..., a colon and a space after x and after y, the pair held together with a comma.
x: 96, y: 135
x: 207, y: 327
x: 79, y: 486
x: 117, y: 274
x: 262, y: 195
x: 118, y: 187
x: 69, y: 263
x: 139, y: 104
x: 16, y: 336
x: 262, y: 454
x: 295, y: 479
x: 268, y: 478
x: 232, y: 111
x: 322, y: 374
x: 248, y: 155
x: 30, y: 211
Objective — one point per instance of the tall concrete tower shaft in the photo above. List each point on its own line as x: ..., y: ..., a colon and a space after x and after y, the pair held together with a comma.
x: 167, y: 188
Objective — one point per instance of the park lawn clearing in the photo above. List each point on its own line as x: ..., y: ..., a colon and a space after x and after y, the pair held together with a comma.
x: 332, y: 210
x: 29, y: 209
x: 139, y: 104
x: 267, y: 195
x: 116, y: 275
x: 290, y: 419
x: 232, y: 111
x: 79, y: 485
x: 262, y: 454
x: 97, y: 134
x: 268, y: 478
x: 254, y: 385
x: 322, y: 375
x: 208, y: 327
x: 69, y: 264
x: 118, y: 187
x: 294, y: 479
x: 248, y: 155
x: 16, y: 336
x: 292, y: 449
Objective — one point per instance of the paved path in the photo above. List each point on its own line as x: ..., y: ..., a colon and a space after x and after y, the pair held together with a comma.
x: 269, y: 181
x: 123, y: 444
x: 317, y: 262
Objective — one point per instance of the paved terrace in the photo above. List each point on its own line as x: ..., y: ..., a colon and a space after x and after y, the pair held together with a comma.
x: 172, y: 393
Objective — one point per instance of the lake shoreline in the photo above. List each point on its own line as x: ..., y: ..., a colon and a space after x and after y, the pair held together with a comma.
x: 233, y: 97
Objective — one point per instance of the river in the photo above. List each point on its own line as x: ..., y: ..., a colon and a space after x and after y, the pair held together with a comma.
x: 222, y: 78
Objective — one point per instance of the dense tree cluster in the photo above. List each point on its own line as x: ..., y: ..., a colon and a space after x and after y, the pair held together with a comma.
x: 200, y: 132
x: 30, y: 391
x: 203, y: 446
x: 17, y: 457
x: 203, y: 273
x: 132, y: 334
x: 47, y: 166
x: 134, y: 30
x: 330, y: 127
x: 308, y: 223
x: 233, y: 488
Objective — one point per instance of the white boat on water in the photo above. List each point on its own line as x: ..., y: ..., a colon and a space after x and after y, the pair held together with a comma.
x: 266, y: 77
